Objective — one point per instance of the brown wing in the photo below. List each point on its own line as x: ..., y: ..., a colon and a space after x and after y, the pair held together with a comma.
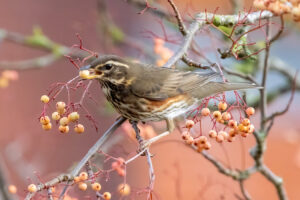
x: 160, y: 83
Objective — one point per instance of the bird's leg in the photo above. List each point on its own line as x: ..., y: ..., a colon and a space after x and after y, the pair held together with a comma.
x: 138, y: 137
x: 137, y: 131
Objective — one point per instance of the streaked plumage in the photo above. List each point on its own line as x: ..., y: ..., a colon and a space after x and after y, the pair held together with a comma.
x: 142, y: 92
x: 146, y: 93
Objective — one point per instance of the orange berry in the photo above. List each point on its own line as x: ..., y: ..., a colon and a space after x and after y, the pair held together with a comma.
x: 160, y: 62
x: 47, y: 127
x: 202, y: 139
x: 250, y: 111
x: 244, y: 134
x: 55, y: 116
x: 220, y: 138
x: 205, y: 112
x: 106, y: 195
x: 232, y: 123
x: 221, y: 121
x: 32, y: 188
x: 76, y: 179
x: 79, y: 128
x: 246, y: 122
x: 222, y: 106
x: 115, y: 165
x: 207, y: 146
x: 64, y: 121
x: 212, y: 134
x: 226, y: 116
x: 63, y: 129
x: 4, y: 82
x: 44, y: 120
x: 84, y: 74
x: 60, y: 105
x: 96, y: 186
x: 45, y: 99
x: 251, y: 128
x: 158, y: 42
x: 217, y: 114
x: 166, y: 54
x: 296, y: 11
x: 232, y: 133
x: 241, y: 127
x: 230, y: 139
x: 189, y: 124
x: 185, y: 135
x: 82, y: 186
x: 124, y: 189
x: 224, y: 133
x: 12, y: 189
x: 121, y: 172
x: 74, y: 116
x: 62, y: 111
x: 200, y: 149
x: 10, y: 75
x: 259, y: 4
x: 189, y: 140
x: 83, y: 176
x: 121, y: 161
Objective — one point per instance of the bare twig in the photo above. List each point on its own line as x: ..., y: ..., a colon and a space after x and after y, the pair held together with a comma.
x: 192, y: 63
x: 241, y: 75
x: 276, y: 180
x: 244, y: 191
x: 148, y: 155
x: 283, y: 111
x: 220, y: 20
x: 178, y: 17
x: 56, y: 52
x: 263, y: 93
x: 69, y: 177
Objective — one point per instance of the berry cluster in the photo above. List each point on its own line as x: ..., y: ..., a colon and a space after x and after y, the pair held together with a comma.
x: 223, y: 117
x: 6, y: 76
x: 163, y: 52
x: 61, y: 116
x: 280, y: 7
x: 85, y: 180
x: 118, y: 165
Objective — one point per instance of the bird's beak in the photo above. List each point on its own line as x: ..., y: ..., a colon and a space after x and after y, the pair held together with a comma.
x: 87, y: 72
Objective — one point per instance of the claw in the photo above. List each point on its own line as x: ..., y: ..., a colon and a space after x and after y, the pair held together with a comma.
x: 145, y: 144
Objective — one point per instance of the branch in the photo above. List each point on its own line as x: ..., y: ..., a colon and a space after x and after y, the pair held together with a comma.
x: 69, y: 177
x: 159, y: 11
x: 243, y: 190
x: 217, y: 20
x: 56, y: 51
x: 178, y: 17
x: 276, y: 180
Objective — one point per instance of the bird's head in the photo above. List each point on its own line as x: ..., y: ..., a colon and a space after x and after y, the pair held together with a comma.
x: 108, y: 68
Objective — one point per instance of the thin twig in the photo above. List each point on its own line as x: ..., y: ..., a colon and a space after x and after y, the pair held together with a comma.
x: 244, y: 191
x: 263, y: 93
x: 69, y: 177
x: 178, y: 17
x: 276, y: 180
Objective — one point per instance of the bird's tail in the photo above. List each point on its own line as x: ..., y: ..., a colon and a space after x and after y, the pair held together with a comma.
x: 212, y: 88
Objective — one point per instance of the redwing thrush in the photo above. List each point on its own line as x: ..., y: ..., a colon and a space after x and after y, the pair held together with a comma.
x: 141, y: 92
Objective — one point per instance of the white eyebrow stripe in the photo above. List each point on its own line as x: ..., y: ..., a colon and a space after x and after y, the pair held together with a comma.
x: 116, y: 63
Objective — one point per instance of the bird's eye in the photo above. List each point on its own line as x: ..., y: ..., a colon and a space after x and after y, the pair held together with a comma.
x: 108, y: 66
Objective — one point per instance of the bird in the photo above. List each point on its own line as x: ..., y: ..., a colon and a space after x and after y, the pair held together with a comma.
x: 144, y: 92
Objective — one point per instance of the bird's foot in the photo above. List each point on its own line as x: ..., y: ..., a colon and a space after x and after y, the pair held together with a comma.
x: 144, y: 145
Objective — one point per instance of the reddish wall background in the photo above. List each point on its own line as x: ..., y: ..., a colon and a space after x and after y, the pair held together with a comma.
x: 181, y: 173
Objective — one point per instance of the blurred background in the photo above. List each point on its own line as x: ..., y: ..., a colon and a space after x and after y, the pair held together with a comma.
x: 29, y: 154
